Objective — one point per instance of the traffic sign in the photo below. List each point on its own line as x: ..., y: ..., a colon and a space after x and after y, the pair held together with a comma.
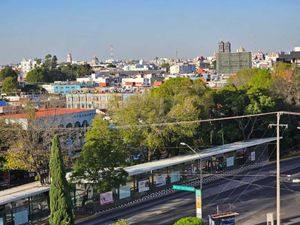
x: 183, y: 188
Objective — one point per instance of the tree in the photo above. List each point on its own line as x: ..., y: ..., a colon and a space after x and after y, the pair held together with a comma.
x: 285, y: 85
x: 73, y: 71
x: 110, y: 65
x: 166, y: 66
x: 36, y: 75
x: 189, y: 221
x: 60, y: 200
x: 7, y: 71
x: 257, y: 78
x: 50, y: 62
x: 178, y: 99
x: 29, y: 144
x: 102, y: 157
x: 9, y: 85
x: 244, y: 100
x: 84, y: 70
x: 121, y: 222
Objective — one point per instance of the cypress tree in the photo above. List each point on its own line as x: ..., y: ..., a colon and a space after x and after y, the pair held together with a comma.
x: 60, y: 200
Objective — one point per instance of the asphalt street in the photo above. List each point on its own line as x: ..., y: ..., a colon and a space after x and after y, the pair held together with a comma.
x: 251, y: 194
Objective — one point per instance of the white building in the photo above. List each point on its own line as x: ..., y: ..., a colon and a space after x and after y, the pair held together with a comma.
x: 141, y: 66
x: 95, y: 78
x: 69, y: 58
x: 182, y: 69
x: 138, y: 81
x: 27, y: 65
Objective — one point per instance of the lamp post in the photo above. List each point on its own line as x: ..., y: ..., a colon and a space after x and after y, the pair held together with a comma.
x: 198, y: 192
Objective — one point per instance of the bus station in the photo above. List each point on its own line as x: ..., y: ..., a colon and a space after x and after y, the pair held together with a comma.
x: 29, y: 202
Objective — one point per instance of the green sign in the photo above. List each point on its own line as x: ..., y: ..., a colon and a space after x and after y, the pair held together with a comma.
x: 183, y: 188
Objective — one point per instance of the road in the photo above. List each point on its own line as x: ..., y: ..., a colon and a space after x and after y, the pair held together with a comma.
x: 251, y: 194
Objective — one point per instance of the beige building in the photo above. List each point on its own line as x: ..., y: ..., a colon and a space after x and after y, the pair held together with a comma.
x: 94, y: 100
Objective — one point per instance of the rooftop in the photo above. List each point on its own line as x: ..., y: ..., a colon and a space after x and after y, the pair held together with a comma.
x: 21, y: 192
x: 45, y: 113
x: 205, y: 153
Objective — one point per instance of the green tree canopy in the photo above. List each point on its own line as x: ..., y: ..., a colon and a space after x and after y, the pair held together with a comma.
x: 178, y: 99
x: 189, y: 221
x: 73, y: 71
x: 9, y: 85
x: 165, y: 66
x: 50, y: 71
x: 102, y: 157
x: 50, y: 62
x: 60, y: 200
x: 121, y: 222
x: 7, y: 71
x: 286, y: 85
x: 238, y: 101
x: 252, y: 77
x: 36, y: 75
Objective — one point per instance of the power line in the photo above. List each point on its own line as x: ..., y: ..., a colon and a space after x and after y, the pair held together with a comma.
x: 243, y: 167
x: 173, y: 123
x: 248, y: 185
x: 196, y: 121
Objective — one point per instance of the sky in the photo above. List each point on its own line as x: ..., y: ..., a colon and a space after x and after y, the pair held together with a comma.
x: 143, y: 29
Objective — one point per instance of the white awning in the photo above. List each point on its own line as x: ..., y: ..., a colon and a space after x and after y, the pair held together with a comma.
x: 22, y: 192
x: 205, y: 153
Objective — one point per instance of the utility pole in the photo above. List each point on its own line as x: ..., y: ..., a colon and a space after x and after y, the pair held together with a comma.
x: 278, y: 172
x: 278, y: 125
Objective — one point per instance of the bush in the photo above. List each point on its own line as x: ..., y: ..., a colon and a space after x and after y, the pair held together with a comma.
x: 189, y: 221
x: 121, y: 222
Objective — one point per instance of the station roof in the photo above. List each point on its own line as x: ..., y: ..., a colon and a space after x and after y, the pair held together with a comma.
x: 205, y: 153
x: 31, y: 189
x: 21, y: 192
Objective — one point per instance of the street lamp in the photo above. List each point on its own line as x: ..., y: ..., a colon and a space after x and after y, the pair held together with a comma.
x: 198, y: 192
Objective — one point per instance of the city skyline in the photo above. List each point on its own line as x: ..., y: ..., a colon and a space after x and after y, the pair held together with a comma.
x: 143, y: 29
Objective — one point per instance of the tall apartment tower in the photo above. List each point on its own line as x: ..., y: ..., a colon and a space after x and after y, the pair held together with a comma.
x: 221, y: 46
x: 224, y: 46
x: 230, y: 63
x: 227, y: 46
x: 69, y: 58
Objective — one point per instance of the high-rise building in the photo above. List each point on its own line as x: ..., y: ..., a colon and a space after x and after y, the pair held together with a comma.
x: 221, y: 46
x: 69, y: 58
x: 95, y: 61
x: 228, y: 62
x: 224, y: 46
x: 227, y: 46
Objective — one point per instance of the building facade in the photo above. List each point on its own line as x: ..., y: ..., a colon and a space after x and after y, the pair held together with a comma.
x: 102, y: 81
x: 138, y: 81
x: 182, y: 69
x: 291, y: 57
x: 229, y: 63
x: 65, y: 87
x: 224, y: 46
x: 26, y: 65
x: 98, y: 101
x: 54, y: 117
